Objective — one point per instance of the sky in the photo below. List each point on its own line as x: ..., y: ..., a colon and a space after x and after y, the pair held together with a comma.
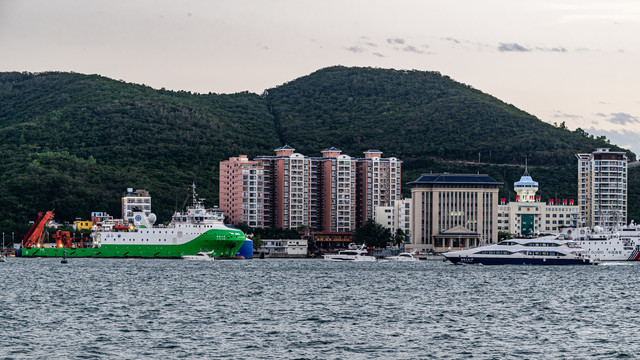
x: 576, y: 62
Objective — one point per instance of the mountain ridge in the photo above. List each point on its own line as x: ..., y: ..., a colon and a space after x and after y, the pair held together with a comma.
x: 76, y: 142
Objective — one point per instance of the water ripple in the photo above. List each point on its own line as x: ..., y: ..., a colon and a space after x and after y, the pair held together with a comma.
x: 310, y: 309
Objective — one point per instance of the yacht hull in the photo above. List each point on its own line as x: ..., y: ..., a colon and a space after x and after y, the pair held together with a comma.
x: 516, y: 261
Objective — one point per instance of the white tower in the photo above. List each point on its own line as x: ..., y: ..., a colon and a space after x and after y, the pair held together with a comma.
x: 526, y: 188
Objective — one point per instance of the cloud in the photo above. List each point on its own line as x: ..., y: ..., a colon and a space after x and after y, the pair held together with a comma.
x: 515, y: 47
x: 378, y: 54
x: 623, y: 119
x: 355, y: 49
x: 413, y: 49
x: 623, y: 138
x: 396, y: 41
x: 455, y: 41
x: 512, y: 47
x: 556, y: 49
x: 371, y: 44
x: 560, y: 114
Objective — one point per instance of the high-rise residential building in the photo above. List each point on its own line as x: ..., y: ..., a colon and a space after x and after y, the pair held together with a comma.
x: 529, y: 215
x: 378, y: 184
x: 135, y: 199
x: 453, y: 211
x: 602, y: 188
x: 323, y: 193
x: 316, y: 192
x: 337, y: 187
x: 287, y: 186
x: 242, y: 191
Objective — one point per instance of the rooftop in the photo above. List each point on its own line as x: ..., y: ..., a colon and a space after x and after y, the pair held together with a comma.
x: 475, y: 179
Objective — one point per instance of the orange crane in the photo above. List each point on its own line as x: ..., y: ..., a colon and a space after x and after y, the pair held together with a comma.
x: 35, y: 236
x: 62, y: 239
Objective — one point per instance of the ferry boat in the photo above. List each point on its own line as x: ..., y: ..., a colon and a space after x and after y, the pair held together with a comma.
x: 621, y: 244
x: 547, y: 250
x: 190, y: 232
x: 352, y: 254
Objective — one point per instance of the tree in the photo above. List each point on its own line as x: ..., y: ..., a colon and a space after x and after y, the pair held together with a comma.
x: 504, y: 235
x: 399, y: 237
x: 257, y: 242
x: 246, y: 229
x: 372, y: 234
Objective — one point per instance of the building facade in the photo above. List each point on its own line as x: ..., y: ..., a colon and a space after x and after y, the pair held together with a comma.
x: 378, y: 184
x: 529, y: 216
x: 602, y: 188
x: 330, y: 193
x: 135, y: 199
x: 287, y: 190
x: 453, y: 211
x: 242, y: 191
x: 396, y: 216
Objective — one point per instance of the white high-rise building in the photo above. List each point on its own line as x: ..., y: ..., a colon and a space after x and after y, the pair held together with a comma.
x: 602, y: 188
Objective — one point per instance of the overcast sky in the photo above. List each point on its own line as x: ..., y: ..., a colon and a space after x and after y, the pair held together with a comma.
x: 572, y: 61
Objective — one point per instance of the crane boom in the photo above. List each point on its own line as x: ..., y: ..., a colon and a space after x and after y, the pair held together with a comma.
x: 35, y: 235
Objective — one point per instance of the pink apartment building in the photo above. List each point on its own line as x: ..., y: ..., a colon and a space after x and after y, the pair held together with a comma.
x: 242, y: 191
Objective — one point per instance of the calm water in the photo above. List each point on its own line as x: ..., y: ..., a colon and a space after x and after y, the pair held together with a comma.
x: 311, y: 309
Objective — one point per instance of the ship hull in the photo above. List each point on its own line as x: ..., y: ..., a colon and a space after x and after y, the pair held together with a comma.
x: 516, y: 261
x: 221, y: 243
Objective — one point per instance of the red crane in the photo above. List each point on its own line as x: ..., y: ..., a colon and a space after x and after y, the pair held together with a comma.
x: 35, y: 236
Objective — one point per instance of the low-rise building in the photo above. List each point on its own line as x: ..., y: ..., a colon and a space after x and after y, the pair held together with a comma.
x: 396, y: 216
x: 453, y: 211
x: 529, y: 216
x: 283, y: 248
x: 82, y: 224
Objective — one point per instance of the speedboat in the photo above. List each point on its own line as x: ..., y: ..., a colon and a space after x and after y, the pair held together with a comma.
x: 405, y: 256
x: 201, y: 256
x: 548, y: 250
x: 352, y: 254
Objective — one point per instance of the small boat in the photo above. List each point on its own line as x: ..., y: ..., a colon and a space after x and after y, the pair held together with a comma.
x: 201, y: 256
x: 352, y: 254
x: 405, y: 256
x: 537, y: 251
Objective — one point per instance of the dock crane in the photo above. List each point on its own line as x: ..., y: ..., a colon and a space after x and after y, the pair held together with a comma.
x: 35, y: 236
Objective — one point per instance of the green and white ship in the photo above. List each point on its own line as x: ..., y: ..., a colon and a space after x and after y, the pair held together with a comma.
x: 194, y: 230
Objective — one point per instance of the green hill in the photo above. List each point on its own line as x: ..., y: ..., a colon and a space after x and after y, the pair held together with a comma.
x: 75, y: 142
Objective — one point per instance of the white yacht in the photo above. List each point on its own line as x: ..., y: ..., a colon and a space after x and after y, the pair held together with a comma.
x: 548, y: 250
x: 201, y: 256
x: 405, y: 256
x: 352, y: 254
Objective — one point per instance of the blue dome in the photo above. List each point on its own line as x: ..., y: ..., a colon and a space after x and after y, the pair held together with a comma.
x: 526, y: 181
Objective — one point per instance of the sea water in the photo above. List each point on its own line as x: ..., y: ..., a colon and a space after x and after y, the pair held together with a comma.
x: 313, y: 309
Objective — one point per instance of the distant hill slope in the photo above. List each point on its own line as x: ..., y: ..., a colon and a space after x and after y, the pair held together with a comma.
x: 76, y: 142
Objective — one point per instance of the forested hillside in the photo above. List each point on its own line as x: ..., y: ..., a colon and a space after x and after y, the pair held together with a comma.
x: 75, y: 142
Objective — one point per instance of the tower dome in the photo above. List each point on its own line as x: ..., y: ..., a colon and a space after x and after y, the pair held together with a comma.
x: 526, y: 188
